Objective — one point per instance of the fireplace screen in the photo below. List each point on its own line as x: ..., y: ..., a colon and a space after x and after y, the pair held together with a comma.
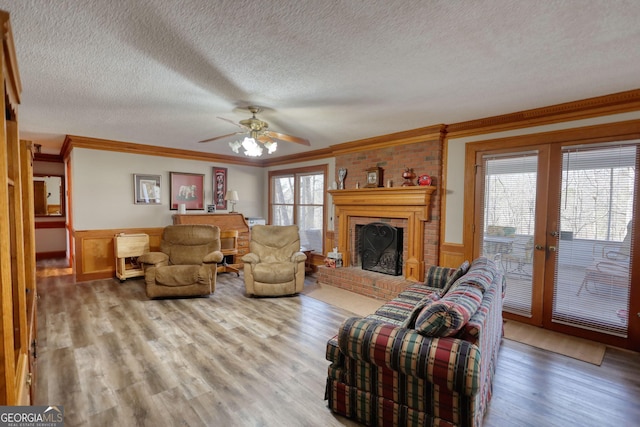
x: 381, y: 248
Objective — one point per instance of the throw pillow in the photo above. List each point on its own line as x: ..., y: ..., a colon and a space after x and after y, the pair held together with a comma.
x: 480, y: 274
x: 411, y: 320
x: 461, y: 271
x: 437, y: 276
x: 445, y: 318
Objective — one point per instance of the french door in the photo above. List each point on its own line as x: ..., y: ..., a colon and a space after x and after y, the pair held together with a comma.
x: 558, y: 220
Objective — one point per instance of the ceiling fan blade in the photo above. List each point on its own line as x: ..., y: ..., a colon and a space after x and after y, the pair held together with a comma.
x: 233, y: 123
x: 220, y: 137
x: 288, y: 138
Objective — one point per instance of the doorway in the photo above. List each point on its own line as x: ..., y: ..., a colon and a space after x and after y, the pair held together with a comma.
x: 558, y: 220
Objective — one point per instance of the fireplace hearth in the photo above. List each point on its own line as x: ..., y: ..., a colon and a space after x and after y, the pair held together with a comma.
x: 381, y: 248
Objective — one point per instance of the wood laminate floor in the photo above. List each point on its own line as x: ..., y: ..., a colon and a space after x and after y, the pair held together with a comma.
x: 113, y: 357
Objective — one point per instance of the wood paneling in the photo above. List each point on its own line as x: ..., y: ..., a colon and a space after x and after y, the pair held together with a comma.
x: 94, y: 257
x: 451, y: 255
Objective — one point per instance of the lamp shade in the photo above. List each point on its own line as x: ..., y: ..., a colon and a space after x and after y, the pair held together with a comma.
x: 232, y: 195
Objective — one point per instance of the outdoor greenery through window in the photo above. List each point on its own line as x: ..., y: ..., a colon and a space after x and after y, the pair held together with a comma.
x: 297, y: 197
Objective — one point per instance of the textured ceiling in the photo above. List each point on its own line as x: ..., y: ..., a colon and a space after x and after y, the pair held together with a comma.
x: 159, y: 72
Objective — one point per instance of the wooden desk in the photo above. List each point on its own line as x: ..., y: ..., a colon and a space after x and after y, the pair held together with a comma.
x: 228, y: 221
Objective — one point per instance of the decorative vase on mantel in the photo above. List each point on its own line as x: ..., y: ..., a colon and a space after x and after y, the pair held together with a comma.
x: 408, y: 176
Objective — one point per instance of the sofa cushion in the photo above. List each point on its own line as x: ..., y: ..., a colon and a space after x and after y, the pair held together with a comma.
x: 480, y: 275
x: 437, y: 277
x: 410, y: 321
x: 274, y: 272
x: 453, y: 277
x: 448, y: 315
x: 177, y: 275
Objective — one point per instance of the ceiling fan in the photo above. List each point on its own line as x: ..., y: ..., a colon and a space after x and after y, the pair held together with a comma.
x: 258, y: 135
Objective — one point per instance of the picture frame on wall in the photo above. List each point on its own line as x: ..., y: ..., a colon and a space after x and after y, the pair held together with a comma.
x: 219, y: 187
x: 187, y: 189
x: 146, y: 189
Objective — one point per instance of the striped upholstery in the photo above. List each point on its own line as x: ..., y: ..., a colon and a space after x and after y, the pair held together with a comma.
x: 444, y: 318
x: 382, y: 373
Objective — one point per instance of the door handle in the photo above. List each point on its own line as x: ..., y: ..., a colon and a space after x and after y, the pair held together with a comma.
x: 539, y: 247
x: 552, y: 248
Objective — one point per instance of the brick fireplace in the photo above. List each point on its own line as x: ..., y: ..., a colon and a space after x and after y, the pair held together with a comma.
x: 410, y: 206
x: 407, y: 208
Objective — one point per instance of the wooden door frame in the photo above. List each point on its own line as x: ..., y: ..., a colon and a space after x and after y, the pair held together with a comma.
x: 619, y: 131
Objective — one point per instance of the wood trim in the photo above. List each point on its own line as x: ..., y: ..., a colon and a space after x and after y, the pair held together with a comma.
x: 323, y: 153
x: 412, y: 136
x: 621, y: 102
x: 51, y: 255
x: 616, y: 103
x: 74, y: 141
x: 51, y: 158
x: 50, y: 224
x: 452, y: 255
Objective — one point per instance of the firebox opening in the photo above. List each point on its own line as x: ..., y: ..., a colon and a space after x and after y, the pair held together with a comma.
x: 380, y: 248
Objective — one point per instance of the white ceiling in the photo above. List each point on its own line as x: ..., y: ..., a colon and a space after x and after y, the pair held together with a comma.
x: 159, y: 72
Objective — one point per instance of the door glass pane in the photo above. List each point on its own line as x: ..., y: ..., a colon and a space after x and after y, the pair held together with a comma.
x: 592, y: 277
x: 509, y: 206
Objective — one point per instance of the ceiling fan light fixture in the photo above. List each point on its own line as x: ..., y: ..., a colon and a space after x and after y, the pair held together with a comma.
x: 252, y: 148
x: 235, y: 146
x: 271, y: 146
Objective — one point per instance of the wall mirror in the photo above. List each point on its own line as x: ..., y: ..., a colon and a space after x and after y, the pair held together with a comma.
x: 48, y: 195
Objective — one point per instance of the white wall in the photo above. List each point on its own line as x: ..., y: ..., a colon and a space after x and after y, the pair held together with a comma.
x: 454, y: 214
x: 103, y: 188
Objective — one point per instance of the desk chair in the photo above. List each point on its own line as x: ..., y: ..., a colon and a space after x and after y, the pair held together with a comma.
x: 229, y: 248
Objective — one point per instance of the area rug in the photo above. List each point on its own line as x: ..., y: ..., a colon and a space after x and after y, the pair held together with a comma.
x: 577, y: 348
x: 347, y: 300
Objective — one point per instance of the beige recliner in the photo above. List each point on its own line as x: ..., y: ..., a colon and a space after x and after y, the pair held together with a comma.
x: 274, y: 265
x: 186, y: 264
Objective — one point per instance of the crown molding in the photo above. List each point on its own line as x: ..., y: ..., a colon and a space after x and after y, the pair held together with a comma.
x: 74, y: 141
x: 616, y: 103
x: 429, y: 133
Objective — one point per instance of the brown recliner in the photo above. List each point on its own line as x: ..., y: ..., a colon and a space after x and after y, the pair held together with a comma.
x: 186, y: 264
x: 274, y: 265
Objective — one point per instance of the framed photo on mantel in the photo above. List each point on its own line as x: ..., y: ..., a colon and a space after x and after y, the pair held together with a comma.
x: 374, y: 177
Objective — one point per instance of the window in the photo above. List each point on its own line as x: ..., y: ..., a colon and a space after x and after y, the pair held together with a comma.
x: 297, y: 197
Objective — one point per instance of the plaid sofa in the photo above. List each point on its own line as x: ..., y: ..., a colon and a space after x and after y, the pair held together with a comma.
x: 426, y: 358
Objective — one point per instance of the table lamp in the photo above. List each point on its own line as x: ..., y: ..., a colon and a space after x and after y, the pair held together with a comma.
x: 232, y: 197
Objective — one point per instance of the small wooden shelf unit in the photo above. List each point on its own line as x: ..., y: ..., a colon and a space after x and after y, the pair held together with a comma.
x: 127, y: 248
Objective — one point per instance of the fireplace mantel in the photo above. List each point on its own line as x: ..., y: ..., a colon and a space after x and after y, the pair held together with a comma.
x: 410, y: 203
